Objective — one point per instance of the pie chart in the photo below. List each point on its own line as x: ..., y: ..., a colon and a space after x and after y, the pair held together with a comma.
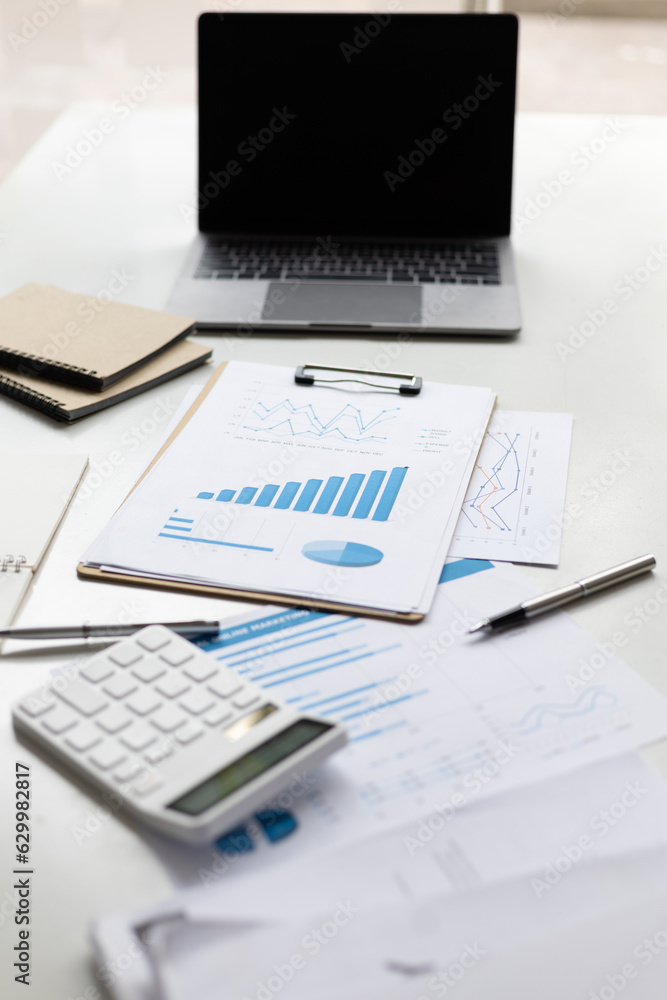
x: 342, y: 553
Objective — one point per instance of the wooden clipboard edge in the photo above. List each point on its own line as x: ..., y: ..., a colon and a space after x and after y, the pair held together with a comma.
x: 92, y: 573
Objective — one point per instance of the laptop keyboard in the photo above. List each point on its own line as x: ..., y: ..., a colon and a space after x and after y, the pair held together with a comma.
x: 474, y: 263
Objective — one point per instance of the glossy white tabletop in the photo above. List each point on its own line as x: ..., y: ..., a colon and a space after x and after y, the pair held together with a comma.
x: 590, y: 210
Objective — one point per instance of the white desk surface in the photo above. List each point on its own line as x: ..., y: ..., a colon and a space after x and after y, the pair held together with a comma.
x: 120, y: 210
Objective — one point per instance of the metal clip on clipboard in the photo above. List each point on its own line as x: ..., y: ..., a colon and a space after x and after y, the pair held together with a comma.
x: 411, y: 387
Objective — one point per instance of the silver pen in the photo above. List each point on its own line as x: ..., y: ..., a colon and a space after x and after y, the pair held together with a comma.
x: 557, y: 598
x: 87, y: 631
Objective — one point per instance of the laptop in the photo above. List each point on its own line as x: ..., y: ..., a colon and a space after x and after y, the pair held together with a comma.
x: 355, y: 174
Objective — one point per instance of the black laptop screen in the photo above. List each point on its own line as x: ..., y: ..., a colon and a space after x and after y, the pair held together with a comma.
x: 356, y: 124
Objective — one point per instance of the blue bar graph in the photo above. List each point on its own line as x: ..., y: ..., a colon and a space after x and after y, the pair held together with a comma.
x: 246, y: 494
x: 287, y: 494
x: 329, y: 492
x: 371, y: 490
x: 308, y: 494
x: 266, y: 496
x: 389, y: 494
x: 356, y: 496
x: 349, y: 494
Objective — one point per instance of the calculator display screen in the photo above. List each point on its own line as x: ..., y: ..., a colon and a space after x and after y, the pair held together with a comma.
x: 253, y: 764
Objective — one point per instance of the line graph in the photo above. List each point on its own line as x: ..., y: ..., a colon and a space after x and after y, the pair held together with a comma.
x: 514, y: 505
x: 552, y: 714
x: 281, y: 416
x: 489, y: 503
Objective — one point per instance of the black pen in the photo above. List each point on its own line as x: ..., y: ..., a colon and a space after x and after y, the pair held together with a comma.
x: 87, y: 631
x: 557, y: 598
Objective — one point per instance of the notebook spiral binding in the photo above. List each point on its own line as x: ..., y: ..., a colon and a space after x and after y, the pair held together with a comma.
x: 9, y: 353
x: 35, y: 399
x: 14, y: 561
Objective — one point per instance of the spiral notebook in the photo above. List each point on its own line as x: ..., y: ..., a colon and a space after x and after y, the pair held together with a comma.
x: 35, y: 492
x: 68, y: 402
x: 82, y: 340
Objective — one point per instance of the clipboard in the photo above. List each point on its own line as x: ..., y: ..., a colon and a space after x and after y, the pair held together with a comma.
x: 209, y: 590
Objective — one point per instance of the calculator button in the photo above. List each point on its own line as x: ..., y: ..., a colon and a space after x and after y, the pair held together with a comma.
x: 97, y: 671
x: 189, y: 732
x: 125, y: 655
x: 168, y: 718
x: 138, y: 737
x: 176, y: 655
x: 218, y: 714
x: 129, y: 769
x: 61, y: 720
x: 160, y: 753
x: 34, y: 707
x: 143, y: 702
x: 149, y: 670
x: 201, y: 670
x: 84, y: 737
x: 114, y: 719
x: 146, y: 786
x: 226, y: 684
x: 172, y: 685
x: 245, y: 698
x: 120, y: 685
x: 107, y: 756
x: 81, y: 696
x: 197, y: 701
x: 153, y: 638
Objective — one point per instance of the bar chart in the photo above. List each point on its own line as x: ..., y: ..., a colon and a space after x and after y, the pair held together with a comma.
x: 360, y: 495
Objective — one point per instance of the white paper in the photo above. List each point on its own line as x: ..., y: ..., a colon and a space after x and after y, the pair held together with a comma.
x: 210, y: 510
x: 513, y: 510
x: 433, y: 712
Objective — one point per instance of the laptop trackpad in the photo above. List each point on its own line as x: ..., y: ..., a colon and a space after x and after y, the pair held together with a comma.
x: 311, y: 302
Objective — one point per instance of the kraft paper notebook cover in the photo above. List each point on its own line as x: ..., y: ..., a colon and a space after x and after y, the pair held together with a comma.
x: 85, y: 341
x: 68, y: 403
x: 36, y: 491
x: 189, y: 462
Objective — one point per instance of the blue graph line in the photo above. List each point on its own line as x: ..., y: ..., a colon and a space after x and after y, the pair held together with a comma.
x: 330, y: 666
x: 211, y: 541
x: 306, y: 663
x: 495, y: 483
x: 303, y: 421
x: 273, y: 649
x: 377, y: 732
x: 542, y: 715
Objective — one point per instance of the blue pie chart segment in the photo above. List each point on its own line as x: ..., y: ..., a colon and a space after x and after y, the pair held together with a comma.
x: 342, y: 553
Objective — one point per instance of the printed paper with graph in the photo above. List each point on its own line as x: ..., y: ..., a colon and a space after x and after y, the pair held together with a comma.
x: 337, y: 494
x: 513, y: 510
x: 435, y: 715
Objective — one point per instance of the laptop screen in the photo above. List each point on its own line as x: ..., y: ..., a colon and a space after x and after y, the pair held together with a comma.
x: 356, y: 124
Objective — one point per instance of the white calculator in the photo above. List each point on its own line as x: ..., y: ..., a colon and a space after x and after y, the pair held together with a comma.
x: 185, y: 744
